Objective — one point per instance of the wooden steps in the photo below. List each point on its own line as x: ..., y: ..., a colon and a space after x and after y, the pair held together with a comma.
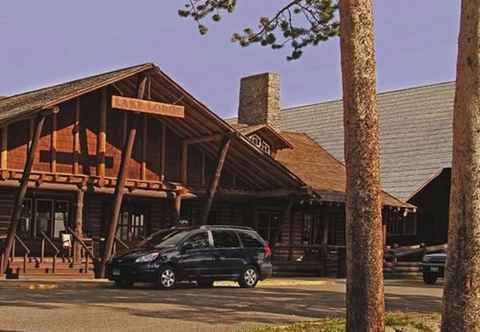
x: 36, y: 269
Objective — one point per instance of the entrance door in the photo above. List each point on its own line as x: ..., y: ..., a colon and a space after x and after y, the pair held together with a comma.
x: 43, y: 218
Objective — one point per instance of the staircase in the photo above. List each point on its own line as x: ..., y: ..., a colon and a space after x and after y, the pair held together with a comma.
x: 32, y: 268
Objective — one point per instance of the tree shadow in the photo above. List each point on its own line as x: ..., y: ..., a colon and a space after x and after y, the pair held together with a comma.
x: 226, y: 305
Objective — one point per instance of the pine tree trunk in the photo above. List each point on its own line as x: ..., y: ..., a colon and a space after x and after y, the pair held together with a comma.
x: 365, y: 300
x: 461, y: 302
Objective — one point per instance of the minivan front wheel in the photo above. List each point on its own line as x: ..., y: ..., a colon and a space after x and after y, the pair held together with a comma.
x: 249, y: 277
x: 167, y: 278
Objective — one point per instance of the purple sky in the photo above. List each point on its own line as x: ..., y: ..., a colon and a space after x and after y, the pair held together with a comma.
x: 50, y: 41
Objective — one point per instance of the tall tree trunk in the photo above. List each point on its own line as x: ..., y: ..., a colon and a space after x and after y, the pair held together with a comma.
x: 461, y: 302
x: 365, y: 300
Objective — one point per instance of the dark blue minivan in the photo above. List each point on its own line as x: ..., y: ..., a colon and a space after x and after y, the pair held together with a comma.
x: 203, y: 255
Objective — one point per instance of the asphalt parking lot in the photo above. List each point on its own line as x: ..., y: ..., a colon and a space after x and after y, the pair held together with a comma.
x: 100, y: 307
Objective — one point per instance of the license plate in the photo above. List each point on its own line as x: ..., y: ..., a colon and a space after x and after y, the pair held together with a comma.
x: 434, y: 268
x: 116, y: 272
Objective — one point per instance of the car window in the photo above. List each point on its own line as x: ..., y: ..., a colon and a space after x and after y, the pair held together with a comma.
x: 249, y: 240
x: 198, y: 241
x: 225, y: 239
x: 171, y: 239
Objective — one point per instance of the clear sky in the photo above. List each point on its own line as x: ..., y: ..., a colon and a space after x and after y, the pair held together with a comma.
x: 50, y: 41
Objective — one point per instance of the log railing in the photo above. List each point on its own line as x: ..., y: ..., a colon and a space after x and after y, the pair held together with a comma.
x: 47, y: 240
x: 89, y: 251
x: 118, y: 242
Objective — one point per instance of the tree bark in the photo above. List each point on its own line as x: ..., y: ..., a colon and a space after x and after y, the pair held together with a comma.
x: 365, y: 297
x: 461, y: 302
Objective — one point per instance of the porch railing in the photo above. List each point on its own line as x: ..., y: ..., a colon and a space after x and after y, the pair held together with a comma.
x: 47, y: 240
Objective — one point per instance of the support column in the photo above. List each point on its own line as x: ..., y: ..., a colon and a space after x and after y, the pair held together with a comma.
x: 78, y: 226
x: 215, y: 180
x: 120, y: 184
x: 20, y: 196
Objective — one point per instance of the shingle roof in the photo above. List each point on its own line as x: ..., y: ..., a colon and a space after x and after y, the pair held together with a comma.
x: 319, y: 169
x: 26, y: 103
x: 415, y: 133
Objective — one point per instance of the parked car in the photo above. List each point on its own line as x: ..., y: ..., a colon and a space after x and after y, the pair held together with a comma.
x: 433, y: 267
x: 202, y: 255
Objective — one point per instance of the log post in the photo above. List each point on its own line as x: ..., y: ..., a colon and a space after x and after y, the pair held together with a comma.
x: 120, y: 184
x: 102, y: 135
x: 118, y: 196
x: 4, y: 148
x: 20, y: 196
x: 215, y: 180
x: 184, y: 163
x: 76, y: 138
x: 178, y: 207
x: 78, y: 226
x: 53, y: 144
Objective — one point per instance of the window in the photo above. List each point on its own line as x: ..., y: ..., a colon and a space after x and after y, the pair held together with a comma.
x: 198, y: 241
x: 249, y: 240
x: 269, y: 226
x: 256, y: 140
x: 265, y: 147
x: 62, y: 209
x: 225, y: 239
x: 26, y: 219
x: 313, y: 229
x: 131, y: 225
x: 261, y: 144
x: 400, y: 226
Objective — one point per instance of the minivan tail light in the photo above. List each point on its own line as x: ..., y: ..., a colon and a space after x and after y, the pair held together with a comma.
x: 267, y: 250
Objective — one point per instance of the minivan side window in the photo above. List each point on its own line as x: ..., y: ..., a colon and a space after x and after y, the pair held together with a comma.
x: 198, y: 241
x: 249, y: 240
x: 225, y: 239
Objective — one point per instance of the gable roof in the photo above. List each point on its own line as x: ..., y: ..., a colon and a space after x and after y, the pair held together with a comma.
x: 415, y: 133
x: 199, y: 121
x: 319, y: 169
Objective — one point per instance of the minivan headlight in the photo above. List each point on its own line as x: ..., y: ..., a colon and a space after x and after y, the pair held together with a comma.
x: 147, y: 258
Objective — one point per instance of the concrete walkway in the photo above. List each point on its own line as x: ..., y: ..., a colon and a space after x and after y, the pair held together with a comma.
x: 97, y: 306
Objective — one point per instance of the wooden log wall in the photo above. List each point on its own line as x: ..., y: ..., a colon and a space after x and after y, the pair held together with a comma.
x: 88, y: 139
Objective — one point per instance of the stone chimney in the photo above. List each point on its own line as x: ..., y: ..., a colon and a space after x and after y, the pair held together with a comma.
x: 260, y: 100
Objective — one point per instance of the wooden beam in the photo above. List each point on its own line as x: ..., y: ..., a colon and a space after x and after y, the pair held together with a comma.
x: 53, y: 144
x: 4, y: 151
x: 215, y: 180
x: 184, y: 164
x: 102, y: 134
x: 203, y: 139
x: 20, y: 196
x: 76, y: 138
x: 143, y: 170
x: 162, y: 152
x: 148, y: 107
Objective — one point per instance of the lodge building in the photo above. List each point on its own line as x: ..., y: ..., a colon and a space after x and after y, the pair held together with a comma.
x: 112, y: 158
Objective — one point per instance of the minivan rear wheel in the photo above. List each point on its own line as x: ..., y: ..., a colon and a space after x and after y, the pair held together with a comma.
x: 249, y: 277
x: 167, y: 278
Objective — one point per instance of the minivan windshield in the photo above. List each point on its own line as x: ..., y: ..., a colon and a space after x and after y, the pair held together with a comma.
x: 169, y: 240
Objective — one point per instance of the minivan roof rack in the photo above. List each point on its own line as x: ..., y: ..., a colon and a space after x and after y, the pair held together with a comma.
x: 227, y: 226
